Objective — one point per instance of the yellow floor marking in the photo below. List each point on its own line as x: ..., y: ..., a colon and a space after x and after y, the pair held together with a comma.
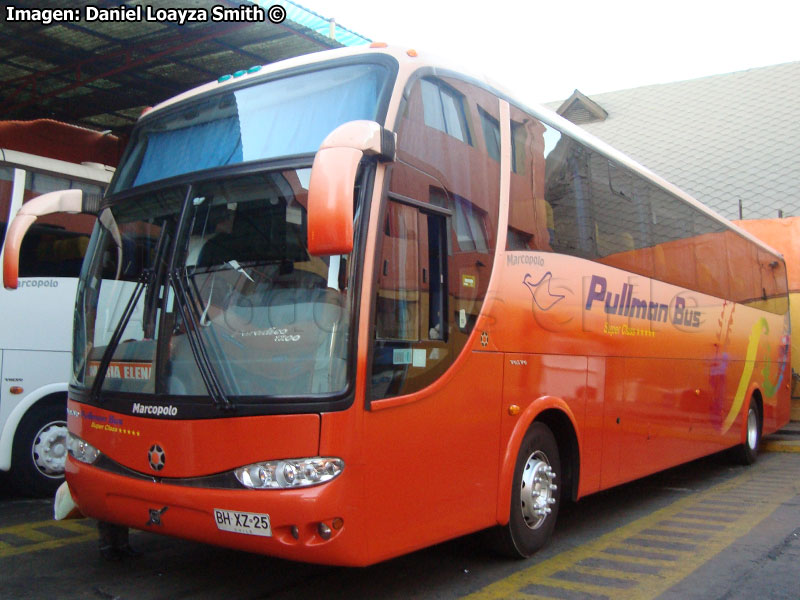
x: 660, y: 555
x: 634, y: 560
x: 76, y: 525
x: 42, y: 540
x: 623, y: 576
x: 672, y: 558
x: 781, y: 446
x: 28, y: 533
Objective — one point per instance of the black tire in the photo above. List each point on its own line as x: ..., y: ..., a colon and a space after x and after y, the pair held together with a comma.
x: 37, y: 460
x: 527, y: 530
x: 746, y: 453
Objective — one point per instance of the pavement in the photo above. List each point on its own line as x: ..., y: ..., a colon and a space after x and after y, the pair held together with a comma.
x: 785, y: 440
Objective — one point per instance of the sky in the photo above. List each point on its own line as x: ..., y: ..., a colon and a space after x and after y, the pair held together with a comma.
x: 543, y: 50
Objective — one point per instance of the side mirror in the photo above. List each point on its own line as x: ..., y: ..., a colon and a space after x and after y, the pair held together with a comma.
x: 333, y: 177
x: 69, y: 201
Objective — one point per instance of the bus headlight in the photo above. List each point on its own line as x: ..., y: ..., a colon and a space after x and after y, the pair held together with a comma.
x: 82, y: 450
x: 289, y: 473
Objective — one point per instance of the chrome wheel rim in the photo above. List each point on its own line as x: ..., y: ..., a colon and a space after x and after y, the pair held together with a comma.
x: 537, y: 490
x: 752, y: 429
x: 49, y: 450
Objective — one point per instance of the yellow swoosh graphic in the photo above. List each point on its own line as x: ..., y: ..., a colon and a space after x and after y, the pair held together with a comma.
x: 759, y: 328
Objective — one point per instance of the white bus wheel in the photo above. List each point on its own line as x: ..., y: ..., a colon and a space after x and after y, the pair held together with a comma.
x: 746, y: 453
x: 40, y: 450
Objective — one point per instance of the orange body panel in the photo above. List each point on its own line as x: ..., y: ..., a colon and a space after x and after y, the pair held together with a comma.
x: 435, y: 449
x: 195, y: 448
x: 190, y: 513
x: 657, y: 387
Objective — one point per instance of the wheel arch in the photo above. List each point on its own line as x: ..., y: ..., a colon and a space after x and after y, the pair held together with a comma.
x: 556, y: 414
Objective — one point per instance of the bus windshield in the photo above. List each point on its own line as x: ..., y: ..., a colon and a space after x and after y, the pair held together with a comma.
x: 208, y: 289
x: 281, y: 117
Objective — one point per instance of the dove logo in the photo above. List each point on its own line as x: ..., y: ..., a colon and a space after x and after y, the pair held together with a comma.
x: 543, y: 298
x: 547, y: 293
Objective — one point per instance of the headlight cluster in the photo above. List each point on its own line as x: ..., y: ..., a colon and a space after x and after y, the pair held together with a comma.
x: 289, y: 473
x: 81, y: 450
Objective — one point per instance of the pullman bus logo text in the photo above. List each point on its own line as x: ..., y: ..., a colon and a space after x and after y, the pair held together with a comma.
x: 624, y: 303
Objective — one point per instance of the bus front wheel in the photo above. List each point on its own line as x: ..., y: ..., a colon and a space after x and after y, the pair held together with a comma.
x: 535, y: 495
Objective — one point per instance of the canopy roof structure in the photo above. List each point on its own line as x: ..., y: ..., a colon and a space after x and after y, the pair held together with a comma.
x: 101, y: 74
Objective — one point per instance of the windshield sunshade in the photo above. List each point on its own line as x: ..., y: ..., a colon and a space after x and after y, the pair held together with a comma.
x: 281, y: 117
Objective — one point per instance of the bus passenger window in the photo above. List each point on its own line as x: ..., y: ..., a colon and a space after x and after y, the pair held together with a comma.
x: 568, y: 192
x: 530, y: 219
x: 428, y: 303
x: 491, y: 134
x: 411, y: 306
x: 444, y: 109
x: 470, y: 222
x: 398, y: 279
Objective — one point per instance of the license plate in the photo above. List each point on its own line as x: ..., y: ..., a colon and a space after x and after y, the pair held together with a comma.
x: 243, y: 522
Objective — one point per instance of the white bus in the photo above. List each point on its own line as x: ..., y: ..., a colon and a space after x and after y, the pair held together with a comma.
x: 36, y: 320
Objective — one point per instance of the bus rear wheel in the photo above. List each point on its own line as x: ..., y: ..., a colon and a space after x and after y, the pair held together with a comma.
x: 40, y: 450
x: 746, y: 453
x: 535, y: 495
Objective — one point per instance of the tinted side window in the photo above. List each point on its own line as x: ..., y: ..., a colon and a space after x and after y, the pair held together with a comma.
x: 530, y: 220
x: 411, y: 331
x: 568, y: 194
x: 773, y: 283
x: 491, y: 134
x: 444, y: 109
x: 438, y: 233
x: 398, y: 304
x: 467, y: 183
x: 620, y: 212
x: 568, y: 198
x: 745, y: 278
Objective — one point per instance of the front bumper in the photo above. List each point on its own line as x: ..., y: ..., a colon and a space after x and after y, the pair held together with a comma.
x: 188, y: 512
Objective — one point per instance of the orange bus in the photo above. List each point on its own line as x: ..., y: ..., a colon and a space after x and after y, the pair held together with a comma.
x: 366, y: 304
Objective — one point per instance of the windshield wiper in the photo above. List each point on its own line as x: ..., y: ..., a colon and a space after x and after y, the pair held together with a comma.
x: 144, y: 277
x: 234, y: 264
x: 147, y: 277
x: 151, y: 297
x: 198, y: 348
